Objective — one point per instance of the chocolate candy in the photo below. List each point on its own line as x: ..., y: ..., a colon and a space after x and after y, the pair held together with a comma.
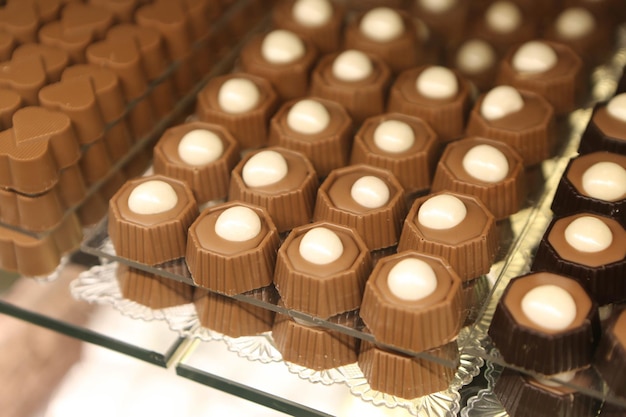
x: 152, y: 290
x: 605, y: 130
x: 610, y: 359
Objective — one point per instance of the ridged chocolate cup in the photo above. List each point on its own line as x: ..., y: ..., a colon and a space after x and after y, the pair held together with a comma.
x: 229, y: 316
x: 290, y: 80
x: 531, y: 131
x: 475, y: 293
x: 33, y: 152
x: 249, y: 128
x: 328, y: 149
x: 19, y: 250
x: 225, y: 266
x: 379, y: 227
x: 570, y: 197
x: 208, y: 182
x: 601, y: 273
x: 610, y: 359
x: 530, y: 346
x: 322, y: 290
x: 561, y: 85
x: 151, y: 290
x: 290, y: 201
x: 523, y: 396
x: 151, y: 238
x: 407, y: 376
x: 326, y: 37
x: 603, y: 133
x: 313, y: 347
x: 417, y: 325
x: 470, y: 247
x: 414, y: 167
x: 362, y: 99
x: 448, y: 25
x: 401, y: 53
x: 502, y: 198
x: 446, y: 117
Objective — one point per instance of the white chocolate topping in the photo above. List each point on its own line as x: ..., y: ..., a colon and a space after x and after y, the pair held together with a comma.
x: 588, y: 234
x: 152, y: 197
x: 312, y: 13
x: 308, y: 117
x: 475, y: 56
x: 437, y: 82
x: 486, y: 163
x: 412, y: 279
x: 503, y: 17
x: 238, y: 224
x: 282, y: 47
x: 370, y: 192
x: 264, y: 168
x: 574, y: 23
x: 394, y: 136
x: 605, y: 181
x: 320, y: 246
x: 501, y: 101
x: 557, y: 379
x: 382, y: 24
x: 437, y: 6
x: 200, y: 147
x: 238, y: 95
x: 441, y: 212
x: 616, y: 107
x: 352, y: 65
x: 534, y: 57
x: 549, y: 306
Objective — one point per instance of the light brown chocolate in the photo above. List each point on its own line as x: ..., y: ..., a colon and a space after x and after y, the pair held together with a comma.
x: 418, y: 325
x: 322, y: 290
x: 20, y: 19
x: 25, y: 76
x: 328, y: 149
x: 152, y: 290
x: 448, y: 25
x: 224, y: 266
x: 10, y: 102
x: 54, y: 60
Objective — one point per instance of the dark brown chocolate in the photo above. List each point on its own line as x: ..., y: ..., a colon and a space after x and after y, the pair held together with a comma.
x: 328, y: 149
x: 379, y: 227
x: 152, y: 290
x: 224, y: 266
x: 470, y: 247
x: 545, y: 351
x: 413, y: 167
x: 603, y: 132
x: 570, y: 197
x: 418, y: 325
x: 610, y: 360
x: 322, y: 290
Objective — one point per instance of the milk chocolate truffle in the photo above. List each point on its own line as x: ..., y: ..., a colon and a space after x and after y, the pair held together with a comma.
x: 524, y: 396
x: 357, y: 80
x: 242, y: 103
x: 320, y: 129
x: 485, y: 168
x: 311, y: 346
x: 420, y: 294
x: 596, y: 183
x: 281, y: 180
x: 476, y: 60
x: 406, y: 376
x: 229, y: 316
x: 369, y: 199
x: 320, y: 21
x: 149, y: 218
x: 231, y: 248
x: 152, y: 290
x: 284, y: 59
x: 202, y: 154
x: 457, y: 227
x: 436, y: 94
x: 387, y: 33
x: 552, y: 317
x: 590, y: 249
x: 548, y: 68
x: 522, y: 119
x: 321, y: 269
x: 446, y: 18
x: 405, y: 145
x: 610, y: 359
x: 606, y: 130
